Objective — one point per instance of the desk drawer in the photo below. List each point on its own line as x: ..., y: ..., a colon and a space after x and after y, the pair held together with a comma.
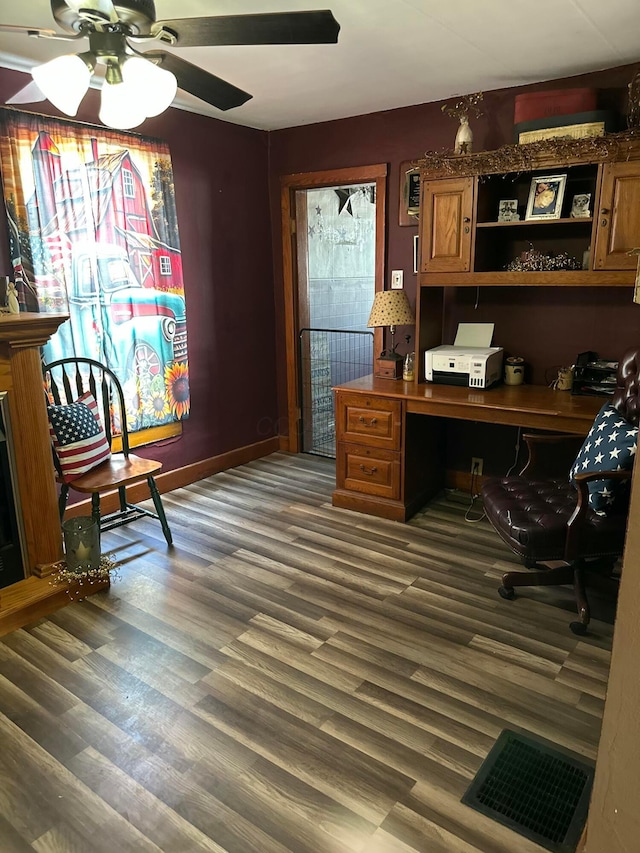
x: 363, y: 419
x: 368, y: 470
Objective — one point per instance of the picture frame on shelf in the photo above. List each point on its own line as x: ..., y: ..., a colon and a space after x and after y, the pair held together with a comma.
x: 581, y: 206
x: 415, y: 253
x: 545, y: 197
x: 508, y: 210
x: 409, y: 193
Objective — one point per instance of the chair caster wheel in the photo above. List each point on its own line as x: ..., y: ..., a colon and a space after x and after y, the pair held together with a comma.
x: 579, y: 628
x: 508, y: 594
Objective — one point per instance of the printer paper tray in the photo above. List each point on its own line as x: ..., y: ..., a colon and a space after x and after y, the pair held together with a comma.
x: 443, y: 377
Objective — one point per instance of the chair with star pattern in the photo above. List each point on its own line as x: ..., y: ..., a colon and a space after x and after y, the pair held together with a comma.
x: 578, y: 520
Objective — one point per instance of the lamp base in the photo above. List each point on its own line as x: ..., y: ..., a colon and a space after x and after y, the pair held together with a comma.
x: 389, y: 366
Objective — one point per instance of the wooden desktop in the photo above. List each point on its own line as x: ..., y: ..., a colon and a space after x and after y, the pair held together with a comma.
x: 390, y: 462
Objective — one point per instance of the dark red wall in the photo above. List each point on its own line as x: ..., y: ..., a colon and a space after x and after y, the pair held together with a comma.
x: 228, y: 198
x: 220, y: 173
x: 547, y: 326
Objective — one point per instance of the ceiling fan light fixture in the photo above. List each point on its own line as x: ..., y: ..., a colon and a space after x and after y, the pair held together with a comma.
x: 64, y: 81
x: 118, y: 109
x: 149, y: 85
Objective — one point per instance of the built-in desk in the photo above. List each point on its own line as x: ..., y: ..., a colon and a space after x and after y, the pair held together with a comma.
x: 389, y: 463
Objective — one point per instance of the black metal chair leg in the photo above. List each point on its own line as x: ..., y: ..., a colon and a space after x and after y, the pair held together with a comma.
x: 95, y: 509
x: 157, y: 502
x: 122, y: 494
x: 63, y: 497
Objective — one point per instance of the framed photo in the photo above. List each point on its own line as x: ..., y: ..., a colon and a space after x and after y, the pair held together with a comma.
x: 409, y: 193
x: 508, y: 210
x: 545, y: 197
x: 415, y: 253
x: 581, y: 206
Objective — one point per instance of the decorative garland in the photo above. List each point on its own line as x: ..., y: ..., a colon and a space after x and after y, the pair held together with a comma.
x: 76, y: 580
x: 525, y: 158
x: 533, y: 260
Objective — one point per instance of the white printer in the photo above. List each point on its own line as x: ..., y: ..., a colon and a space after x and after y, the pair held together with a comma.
x: 470, y: 361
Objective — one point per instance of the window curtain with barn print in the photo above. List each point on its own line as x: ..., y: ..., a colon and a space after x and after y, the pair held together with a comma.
x: 93, y: 233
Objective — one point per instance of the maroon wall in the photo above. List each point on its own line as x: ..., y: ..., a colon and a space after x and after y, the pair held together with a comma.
x: 220, y: 173
x: 547, y: 326
x: 228, y: 198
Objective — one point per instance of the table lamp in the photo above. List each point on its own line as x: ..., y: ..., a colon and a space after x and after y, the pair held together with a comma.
x: 390, y: 308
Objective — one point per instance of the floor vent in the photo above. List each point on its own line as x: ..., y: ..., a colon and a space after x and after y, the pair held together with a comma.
x: 536, y: 788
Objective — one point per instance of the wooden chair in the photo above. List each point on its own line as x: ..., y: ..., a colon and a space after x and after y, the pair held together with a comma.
x: 68, y: 379
x: 543, y: 518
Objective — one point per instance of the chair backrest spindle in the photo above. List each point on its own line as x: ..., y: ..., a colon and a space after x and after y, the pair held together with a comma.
x: 100, y: 381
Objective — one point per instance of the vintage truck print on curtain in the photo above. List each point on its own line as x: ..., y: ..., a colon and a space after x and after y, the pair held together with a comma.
x: 93, y: 233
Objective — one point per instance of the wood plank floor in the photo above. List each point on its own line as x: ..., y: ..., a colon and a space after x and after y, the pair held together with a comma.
x: 290, y: 678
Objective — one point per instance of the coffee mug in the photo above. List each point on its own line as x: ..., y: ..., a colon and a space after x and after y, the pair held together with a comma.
x: 514, y: 371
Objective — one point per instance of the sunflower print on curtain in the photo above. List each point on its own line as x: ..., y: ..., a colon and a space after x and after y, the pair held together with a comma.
x: 93, y: 233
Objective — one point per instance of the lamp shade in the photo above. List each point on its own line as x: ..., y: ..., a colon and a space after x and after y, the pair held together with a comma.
x: 390, y: 308
x: 63, y: 81
x: 143, y: 90
x: 118, y: 109
x: 151, y: 86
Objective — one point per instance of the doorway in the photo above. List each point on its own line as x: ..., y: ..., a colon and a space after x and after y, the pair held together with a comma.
x: 333, y: 259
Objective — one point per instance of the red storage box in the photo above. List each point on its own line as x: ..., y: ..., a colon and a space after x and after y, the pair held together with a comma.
x: 553, y: 103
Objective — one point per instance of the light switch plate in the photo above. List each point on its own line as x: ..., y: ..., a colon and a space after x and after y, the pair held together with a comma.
x: 396, y: 279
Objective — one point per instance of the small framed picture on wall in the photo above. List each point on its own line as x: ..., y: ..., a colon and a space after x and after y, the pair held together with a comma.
x: 409, y: 193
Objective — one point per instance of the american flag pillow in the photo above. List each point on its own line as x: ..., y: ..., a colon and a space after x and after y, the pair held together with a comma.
x: 610, y: 446
x: 78, y: 437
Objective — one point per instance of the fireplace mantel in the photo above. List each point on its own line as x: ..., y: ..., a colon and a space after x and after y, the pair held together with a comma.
x: 21, y: 336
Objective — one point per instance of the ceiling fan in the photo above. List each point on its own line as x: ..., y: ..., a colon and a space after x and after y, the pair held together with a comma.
x: 139, y: 84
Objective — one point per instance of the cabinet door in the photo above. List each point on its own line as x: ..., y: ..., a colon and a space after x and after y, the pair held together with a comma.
x: 446, y: 213
x: 618, y: 220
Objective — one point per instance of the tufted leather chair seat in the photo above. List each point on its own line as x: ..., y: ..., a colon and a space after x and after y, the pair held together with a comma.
x: 531, y: 518
x: 550, y: 521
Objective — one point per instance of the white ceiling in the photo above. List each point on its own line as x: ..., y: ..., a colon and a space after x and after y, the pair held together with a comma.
x: 390, y: 53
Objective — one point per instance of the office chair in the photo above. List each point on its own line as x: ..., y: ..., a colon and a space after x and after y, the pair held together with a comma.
x: 86, y: 412
x: 582, y: 522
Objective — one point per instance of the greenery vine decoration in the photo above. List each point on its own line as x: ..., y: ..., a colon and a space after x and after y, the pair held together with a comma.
x: 525, y: 158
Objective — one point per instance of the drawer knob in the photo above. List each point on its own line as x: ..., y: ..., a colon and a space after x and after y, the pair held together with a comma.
x: 369, y: 471
x: 372, y: 422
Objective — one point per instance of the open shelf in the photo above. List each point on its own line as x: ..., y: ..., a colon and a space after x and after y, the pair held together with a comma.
x: 537, y: 222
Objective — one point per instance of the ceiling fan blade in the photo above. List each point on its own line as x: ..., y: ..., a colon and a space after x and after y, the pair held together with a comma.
x: 38, y: 32
x: 319, y: 27
x: 200, y: 83
x: 29, y: 94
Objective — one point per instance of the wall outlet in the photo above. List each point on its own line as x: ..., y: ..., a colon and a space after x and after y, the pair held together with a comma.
x: 396, y: 279
x: 476, y: 465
